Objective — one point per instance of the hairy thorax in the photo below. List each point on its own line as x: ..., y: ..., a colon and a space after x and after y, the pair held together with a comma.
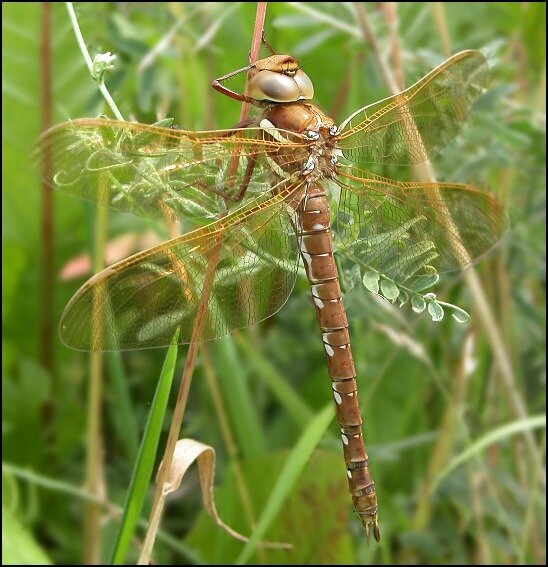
x: 318, y: 161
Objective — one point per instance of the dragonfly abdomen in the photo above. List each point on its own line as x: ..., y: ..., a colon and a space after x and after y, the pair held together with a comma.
x: 317, y: 252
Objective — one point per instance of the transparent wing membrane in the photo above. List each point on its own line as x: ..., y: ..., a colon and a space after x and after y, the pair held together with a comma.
x: 415, y: 124
x: 141, y: 301
x: 241, y: 188
x: 400, y: 228
x: 161, y: 172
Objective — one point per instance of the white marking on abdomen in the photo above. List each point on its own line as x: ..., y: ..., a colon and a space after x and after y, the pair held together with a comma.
x: 337, y: 397
x: 319, y: 303
x: 345, y: 439
x: 328, y: 348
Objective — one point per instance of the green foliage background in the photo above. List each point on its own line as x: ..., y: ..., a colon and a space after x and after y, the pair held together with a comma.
x: 429, y: 391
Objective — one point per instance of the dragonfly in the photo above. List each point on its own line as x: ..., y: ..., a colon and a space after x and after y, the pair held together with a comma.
x: 263, y: 195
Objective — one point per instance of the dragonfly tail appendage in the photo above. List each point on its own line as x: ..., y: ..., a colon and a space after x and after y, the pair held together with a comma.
x: 317, y: 253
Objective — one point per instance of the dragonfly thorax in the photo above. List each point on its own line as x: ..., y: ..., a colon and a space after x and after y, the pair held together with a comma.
x: 319, y: 162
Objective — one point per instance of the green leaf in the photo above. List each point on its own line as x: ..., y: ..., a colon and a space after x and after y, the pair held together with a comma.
x: 371, y: 280
x: 382, y: 240
x: 142, y: 471
x: 389, y: 290
x: 417, y: 303
x: 411, y: 259
x: 435, y: 310
x: 460, y: 315
x: 421, y: 283
x: 403, y: 297
x: 18, y: 545
x: 289, y: 475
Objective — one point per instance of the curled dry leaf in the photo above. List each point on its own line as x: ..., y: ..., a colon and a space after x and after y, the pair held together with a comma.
x: 186, y: 452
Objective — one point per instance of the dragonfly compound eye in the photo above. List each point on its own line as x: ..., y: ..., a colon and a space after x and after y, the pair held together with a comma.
x: 280, y: 87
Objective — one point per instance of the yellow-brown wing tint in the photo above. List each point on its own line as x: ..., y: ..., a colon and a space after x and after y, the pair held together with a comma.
x: 414, y: 125
x: 161, y: 172
x: 402, y: 229
x: 141, y: 301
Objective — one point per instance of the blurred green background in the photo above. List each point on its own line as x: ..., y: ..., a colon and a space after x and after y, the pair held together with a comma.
x: 433, y: 395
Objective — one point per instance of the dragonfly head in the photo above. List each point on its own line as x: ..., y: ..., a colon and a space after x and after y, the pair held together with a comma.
x: 278, y: 79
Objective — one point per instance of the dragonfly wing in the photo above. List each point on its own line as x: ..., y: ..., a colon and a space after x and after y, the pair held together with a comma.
x: 404, y: 229
x: 251, y: 255
x: 414, y: 125
x: 160, y: 172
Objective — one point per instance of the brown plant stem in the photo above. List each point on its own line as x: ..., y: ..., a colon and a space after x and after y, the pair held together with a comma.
x: 390, y: 10
x: 94, y: 443
x: 46, y: 299
x: 425, y: 171
x: 180, y: 406
x: 186, y: 378
x: 438, y: 11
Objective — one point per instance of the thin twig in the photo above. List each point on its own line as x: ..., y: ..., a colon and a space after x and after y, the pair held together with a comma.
x: 47, y: 411
x: 94, y: 444
x: 371, y: 39
x: 89, y: 62
x: 254, y: 51
x: 186, y: 379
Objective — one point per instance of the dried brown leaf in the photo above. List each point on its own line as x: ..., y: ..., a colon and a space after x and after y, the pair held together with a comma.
x: 186, y: 452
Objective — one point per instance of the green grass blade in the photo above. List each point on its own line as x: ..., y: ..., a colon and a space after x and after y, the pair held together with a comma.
x: 142, y: 471
x: 288, y: 477
x: 121, y: 407
x: 18, y: 544
x: 242, y: 410
x: 494, y: 436
x: 293, y: 404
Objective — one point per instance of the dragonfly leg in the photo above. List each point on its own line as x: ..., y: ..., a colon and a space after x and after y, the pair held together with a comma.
x: 234, y: 129
x: 266, y: 44
x: 252, y: 160
x: 216, y: 84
